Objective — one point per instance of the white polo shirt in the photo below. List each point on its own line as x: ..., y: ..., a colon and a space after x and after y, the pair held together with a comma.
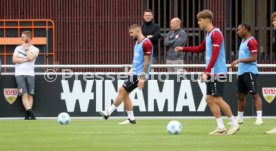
x: 26, y: 68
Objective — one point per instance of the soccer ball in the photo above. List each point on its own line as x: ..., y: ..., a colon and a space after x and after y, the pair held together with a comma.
x: 174, y: 127
x: 63, y: 118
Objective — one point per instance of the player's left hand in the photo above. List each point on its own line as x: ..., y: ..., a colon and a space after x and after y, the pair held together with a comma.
x: 203, y: 77
x: 141, y: 83
x: 29, y: 52
x: 234, y: 63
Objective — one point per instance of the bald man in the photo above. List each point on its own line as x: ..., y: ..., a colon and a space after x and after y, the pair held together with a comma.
x: 176, y: 37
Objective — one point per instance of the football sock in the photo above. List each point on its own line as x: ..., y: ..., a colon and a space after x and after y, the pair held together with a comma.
x: 240, y: 115
x: 220, y: 123
x: 111, y: 109
x: 259, y: 115
x: 130, y: 115
x: 232, y: 120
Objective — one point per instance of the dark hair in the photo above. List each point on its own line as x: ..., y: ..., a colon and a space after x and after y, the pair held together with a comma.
x: 205, y: 14
x: 148, y: 10
x: 246, y: 26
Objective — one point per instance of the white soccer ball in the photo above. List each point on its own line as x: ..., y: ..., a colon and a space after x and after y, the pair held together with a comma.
x: 63, y: 118
x: 174, y: 127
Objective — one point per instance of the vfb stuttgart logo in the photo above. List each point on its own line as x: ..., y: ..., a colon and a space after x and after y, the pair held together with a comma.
x: 11, y: 94
x: 269, y: 94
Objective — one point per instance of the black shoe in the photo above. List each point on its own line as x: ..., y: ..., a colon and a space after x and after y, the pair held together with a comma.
x: 104, y: 114
x: 26, y: 115
x: 32, y: 117
x: 132, y: 122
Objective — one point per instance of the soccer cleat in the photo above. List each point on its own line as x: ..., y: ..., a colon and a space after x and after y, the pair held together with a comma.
x: 128, y: 121
x: 218, y: 131
x: 239, y: 121
x: 104, y: 114
x: 258, y: 122
x: 273, y: 131
x: 233, y: 129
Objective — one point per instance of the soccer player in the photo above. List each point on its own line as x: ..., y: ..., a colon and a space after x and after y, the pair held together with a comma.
x: 273, y: 17
x: 215, y: 73
x: 247, y: 73
x: 143, y: 50
x: 24, y: 57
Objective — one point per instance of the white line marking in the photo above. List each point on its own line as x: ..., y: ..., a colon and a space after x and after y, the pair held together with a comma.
x: 137, y: 117
x: 107, y: 132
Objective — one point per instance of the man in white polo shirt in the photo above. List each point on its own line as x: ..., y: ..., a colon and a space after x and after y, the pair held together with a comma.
x: 24, y: 57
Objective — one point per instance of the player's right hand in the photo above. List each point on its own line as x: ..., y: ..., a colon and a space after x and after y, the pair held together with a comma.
x: 149, y: 36
x: 203, y: 77
x: 141, y: 84
x: 234, y: 63
x: 178, y: 48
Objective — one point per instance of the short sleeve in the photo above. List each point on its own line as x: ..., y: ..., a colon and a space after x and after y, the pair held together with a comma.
x: 35, y: 51
x: 253, y: 46
x: 147, y: 48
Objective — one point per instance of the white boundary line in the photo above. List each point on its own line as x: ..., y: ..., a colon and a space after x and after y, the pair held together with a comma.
x: 138, y: 117
x: 106, y: 132
x: 125, y: 73
x: 128, y: 66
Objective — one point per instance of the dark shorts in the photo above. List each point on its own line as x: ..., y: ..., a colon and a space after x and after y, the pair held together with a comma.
x: 26, y: 84
x: 215, y: 85
x: 247, y: 82
x: 131, y: 83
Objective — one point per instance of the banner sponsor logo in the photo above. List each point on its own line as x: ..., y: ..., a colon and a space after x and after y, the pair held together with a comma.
x: 10, y: 94
x: 269, y: 94
x: 157, y: 98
